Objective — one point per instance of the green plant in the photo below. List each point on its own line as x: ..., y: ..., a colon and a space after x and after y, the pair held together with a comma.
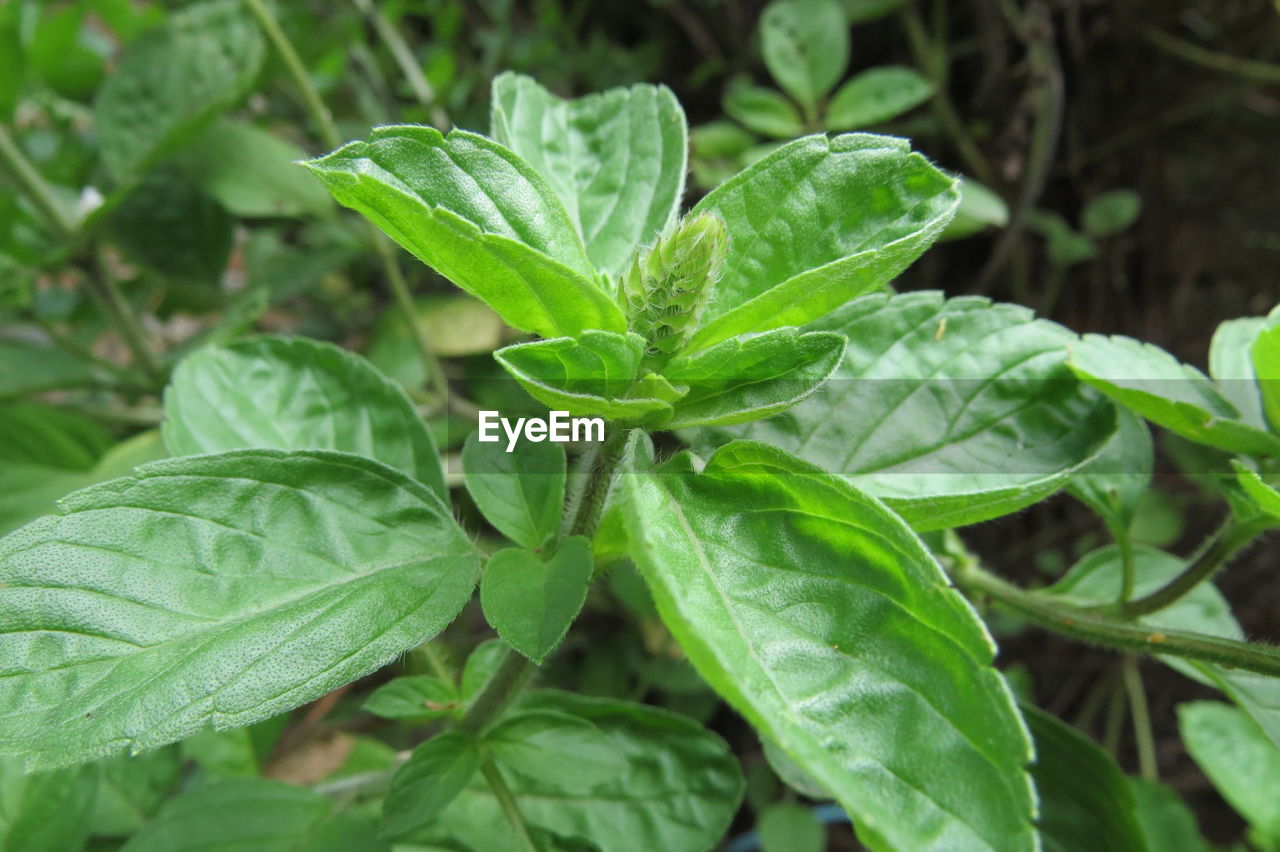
x: 802, y: 552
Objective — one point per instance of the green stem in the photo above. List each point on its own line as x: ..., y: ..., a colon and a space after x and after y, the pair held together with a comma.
x: 1114, y: 727
x: 408, y: 64
x: 507, y: 802
x: 1092, y: 625
x: 122, y: 314
x: 1128, y: 570
x: 33, y: 184
x: 1224, y: 544
x: 1143, y: 736
x: 502, y: 687
x: 1249, y: 69
x: 329, y: 134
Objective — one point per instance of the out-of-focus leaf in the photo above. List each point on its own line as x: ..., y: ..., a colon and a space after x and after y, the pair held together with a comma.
x: 27, y: 368
x: 805, y: 45
x: 434, y: 775
x: 1111, y: 212
x: 980, y: 208
x: 877, y: 95
x: 763, y: 110
x: 790, y: 827
x: 130, y: 789
x: 1240, y: 761
x: 44, y: 812
x: 169, y: 224
x: 413, y: 698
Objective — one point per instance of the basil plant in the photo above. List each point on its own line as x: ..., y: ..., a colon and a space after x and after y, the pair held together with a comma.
x: 820, y: 440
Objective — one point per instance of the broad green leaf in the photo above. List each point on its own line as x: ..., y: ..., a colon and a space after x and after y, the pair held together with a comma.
x: 217, y: 590
x: 533, y: 743
x: 1231, y: 366
x: 520, y: 492
x: 294, y: 393
x: 172, y: 80
x: 953, y: 411
x: 616, y: 159
x: 46, y: 811
x: 873, y: 643
x: 1095, y: 580
x: 251, y: 172
x: 413, y: 698
x: 790, y: 827
x: 33, y: 433
x: 875, y: 96
x: 531, y: 601
x: 244, y: 815
x: 744, y: 379
x: 1153, y: 383
x: 1165, y: 820
x: 818, y: 222
x: 1085, y: 801
x: 169, y: 224
x: 1240, y: 761
x: 763, y: 111
x: 27, y: 368
x: 594, y: 375
x: 1115, y: 481
x: 1111, y: 212
x: 805, y: 45
x: 479, y: 215
x: 1266, y: 365
x: 677, y: 791
x: 131, y: 788
x: 436, y: 772
x: 980, y: 208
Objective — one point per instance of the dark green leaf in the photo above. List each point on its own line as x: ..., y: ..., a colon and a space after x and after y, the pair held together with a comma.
x: 1180, y: 398
x: 953, y: 411
x: 873, y: 642
x: 434, y: 775
x: 744, y: 379
x: 131, y: 788
x: 616, y: 159
x: 875, y: 96
x: 170, y: 225
x: 1111, y: 212
x: 1085, y: 802
x: 215, y: 590
x: 536, y: 743
x: 764, y: 111
x: 482, y: 217
x: 294, y: 393
x: 32, y: 433
x: 1240, y: 761
x: 790, y: 827
x: 171, y: 80
x: 818, y: 222
x: 521, y: 492
x: 44, y: 812
x: 805, y: 45
x: 532, y: 602
x: 1165, y: 820
x: 27, y: 368
x: 413, y: 698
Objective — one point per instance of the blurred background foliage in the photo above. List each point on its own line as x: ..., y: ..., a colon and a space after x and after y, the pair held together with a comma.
x: 1121, y: 175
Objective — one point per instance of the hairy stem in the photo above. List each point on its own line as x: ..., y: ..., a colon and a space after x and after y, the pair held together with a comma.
x: 329, y: 134
x: 1215, y: 553
x: 1092, y: 625
x: 507, y: 802
x: 1143, y: 736
x: 502, y: 687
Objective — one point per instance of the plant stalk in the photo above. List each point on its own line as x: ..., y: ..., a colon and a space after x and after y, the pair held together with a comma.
x: 1143, y: 736
x: 1226, y: 543
x: 407, y: 63
x: 33, y: 184
x: 507, y: 802
x: 122, y: 314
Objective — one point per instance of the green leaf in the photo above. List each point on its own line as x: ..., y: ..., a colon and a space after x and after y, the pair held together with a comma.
x: 818, y: 222
x: 250, y: 172
x: 294, y: 393
x: 744, y: 379
x: 875, y: 96
x: 533, y: 742
x: 480, y: 666
x: 58, y: 53
x: 1095, y: 580
x: 1264, y: 494
x: 1231, y: 366
x: 1115, y: 481
x: 236, y: 752
x: 170, y: 225
x: 131, y: 789
x: 1085, y: 802
x: 980, y: 208
x: 520, y: 492
x: 677, y: 791
x: 215, y: 590
x: 805, y: 45
x: 1266, y: 365
x: 33, y: 433
x: 1165, y: 820
x: 242, y: 815
x: 1111, y: 212
x: 531, y: 602
x: 874, y: 643
x: 1152, y: 383
x: 616, y: 159
x: 1066, y: 247
x: 479, y: 215
x: 413, y: 698
x: 172, y: 80
x: 1240, y: 761
x: 793, y: 774
x: 953, y: 411
x: 45, y: 812
x: 763, y: 111
x: 593, y: 375
x: 432, y: 777
x: 790, y: 827
x: 27, y: 368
